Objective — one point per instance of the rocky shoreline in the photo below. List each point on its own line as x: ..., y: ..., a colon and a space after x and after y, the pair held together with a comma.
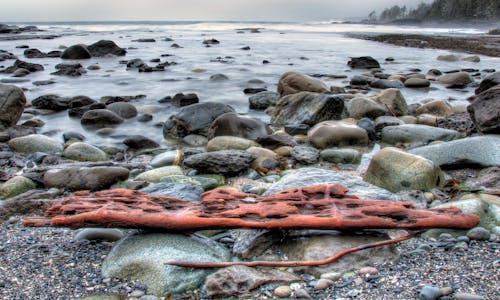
x: 363, y: 135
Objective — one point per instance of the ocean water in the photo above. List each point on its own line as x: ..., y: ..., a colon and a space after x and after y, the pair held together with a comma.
x: 312, y: 48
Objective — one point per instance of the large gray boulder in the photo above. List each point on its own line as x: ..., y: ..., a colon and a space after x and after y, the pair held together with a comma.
x: 104, y: 48
x: 35, y: 143
x: 84, y: 178
x: 295, y: 82
x: 480, y: 150
x: 485, y: 111
x: 416, y: 134
x: 488, y: 82
x: 100, y: 118
x: 12, y: 101
x: 307, y: 108
x: 79, y: 51
x: 221, y: 162
x: 314, y: 176
x: 142, y: 257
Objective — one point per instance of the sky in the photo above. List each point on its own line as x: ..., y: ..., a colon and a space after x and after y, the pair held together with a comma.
x: 203, y: 10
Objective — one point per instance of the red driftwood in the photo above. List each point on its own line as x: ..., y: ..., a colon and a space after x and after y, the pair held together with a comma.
x: 321, y: 207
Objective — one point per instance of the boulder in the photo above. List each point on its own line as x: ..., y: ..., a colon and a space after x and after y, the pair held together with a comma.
x: 363, y: 62
x: 276, y: 140
x: 314, y: 176
x: 417, y: 83
x: 236, y: 280
x: 84, y: 152
x: 157, y: 174
x: 123, y: 109
x: 448, y: 57
x: 266, y: 159
x: 84, y: 178
x: 142, y: 257
x: 361, y: 80
x: 384, y: 121
x: 100, y: 118
x: 19, y: 64
x: 12, y: 102
x: 416, y: 134
x: 15, y: 186
x: 139, y: 142
x: 305, y: 154
x: 263, y: 100
x: 394, y: 101
x: 386, y: 84
x: 307, y: 108
x: 194, y: 119
x: 35, y: 143
x: 52, y: 102
x: 72, y: 70
x: 229, y: 142
x: 181, y: 99
x: 488, y: 82
x: 295, y: 82
x: 337, y: 133
x: 456, y: 80
x: 223, y: 161
x: 342, y: 156
x: 481, y: 151
x: 438, y: 108
x: 485, y: 111
x: 79, y: 51
x: 362, y: 107
x: 396, y: 170
x: 233, y: 124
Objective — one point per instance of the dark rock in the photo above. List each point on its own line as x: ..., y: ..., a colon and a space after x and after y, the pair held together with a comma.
x: 144, y: 41
x: 123, y: 109
x: 370, y: 128
x: 105, y: 47
x: 294, y: 129
x: 78, y: 112
x: 71, y: 135
x: 305, y: 154
x: 181, y: 100
x: 4, y: 55
x: 52, y: 102
x: 387, y: 84
x: 79, y: 51
x: 19, y: 64
x: 80, y: 101
x: 144, y: 118
x: 43, y: 82
x: 100, y: 118
x: 83, y: 178
x: 136, y: 63
x: 478, y: 234
x: 361, y: 80
x: 246, y: 48
x: 55, y: 53
x: 195, y: 119
x: 363, y: 62
x: 223, y: 161
x: 254, y: 90
x: 174, y: 45
x: 485, y: 111
x: 460, y: 122
x: 34, y: 53
x: 233, y: 124
x: 488, y: 82
x: 72, y: 70
x: 277, y: 140
x: 12, y: 102
x: 263, y: 100
x: 139, y: 142
x: 211, y: 42
x: 219, y: 77
x: 112, y: 99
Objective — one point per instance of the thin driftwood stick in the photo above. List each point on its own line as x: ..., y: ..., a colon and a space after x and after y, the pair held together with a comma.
x: 306, y: 263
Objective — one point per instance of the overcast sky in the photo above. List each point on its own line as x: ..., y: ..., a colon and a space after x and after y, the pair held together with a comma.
x: 172, y: 10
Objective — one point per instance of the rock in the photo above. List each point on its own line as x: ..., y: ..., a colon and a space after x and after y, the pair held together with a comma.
x: 233, y: 124
x: 136, y: 63
x: 185, y: 191
x: 307, y: 108
x: 368, y: 271
x: 252, y: 90
x: 283, y: 291
x: 237, y: 280
x: 361, y: 80
x: 20, y: 73
x: 305, y: 154
x: 144, y: 40
x: 100, y: 234
x: 460, y: 122
x: 363, y: 62
x: 35, y: 143
x: 78, y: 112
x: 19, y: 64
x: 100, y: 118
x: 394, y: 101
x: 12, y: 102
x: 417, y: 83
x: 15, y: 186
x: 313, y: 176
x: 229, y: 142
x: 72, y: 70
x: 181, y: 100
x: 167, y: 158
x: 456, y: 80
x: 139, y: 142
x: 157, y: 174
x: 195, y: 140
x: 448, y: 57
x: 195, y: 119
x: 94, y: 67
x: 322, y: 284
x: 386, y: 84
x: 313, y: 248
x: 396, y: 170
x: 123, y: 109
x: 369, y: 126
x: 277, y: 140
x: 487, y: 178
x: 488, y: 82
x: 416, y: 134
x: 141, y: 257
x: 478, y: 234
x: 263, y: 100
x: 104, y: 48
x: 480, y: 150
x: 297, y: 129
x: 52, y: 102
x: 362, y: 107
x: 84, y: 178
x: 342, y: 156
x: 219, y: 77
x: 429, y: 292
x: 467, y: 296
x: 206, y: 182
x: 295, y: 82
x: 84, y: 152
x: 384, y: 121
x: 485, y: 111
x: 223, y: 161
x: 337, y: 133
x: 79, y: 51
x: 437, y: 108
x: 211, y: 42
x: 43, y: 82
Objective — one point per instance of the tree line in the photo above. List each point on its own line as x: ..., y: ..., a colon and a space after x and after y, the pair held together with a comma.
x: 442, y: 10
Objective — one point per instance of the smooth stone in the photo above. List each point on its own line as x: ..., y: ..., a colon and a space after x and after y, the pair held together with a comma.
x: 387, y: 84
x: 104, y: 48
x: 173, y: 157
x: 467, y: 296
x: 488, y: 82
x: 426, y: 119
x: 295, y: 82
x: 429, y: 293
x: 139, y: 142
x: 305, y: 154
x: 479, y: 150
x: 195, y: 140
x: 341, y: 156
x: 84, y: 178
x: 333, y: 276
x: 437, y: 108
x: 102, y: 234
x: 15, y: 186
x: 323, y: 284
x: 266, y: 159
x: 263, y: 100
x: 218, y: 77
x: 478, y: 234
x: 206, y: 183
x: 123, y: 109
x: 34, y: 122
x: 384, y: 121
x: 485, y: 111
x: 79, y: 51
x: 362, y: 107
x: 363, y: 62
x: 229, y: 142
x: 12, y: 102
x: 396, y: 170
x: 185, y: 191
x: 417, y: 83
x: 222, y: 161
x: 84, y: 152
x: 35, y: 143
x: 394, y: 101
x: 283, y: 291
x: 448, y: 57
x: 233, y: 124
x: 457, y: 79
x: 314, y: 176
x: 157, y: 174
x: 142, y: 257
x: 337, y: 133
x: 416, y: 134
x: 100, y: 118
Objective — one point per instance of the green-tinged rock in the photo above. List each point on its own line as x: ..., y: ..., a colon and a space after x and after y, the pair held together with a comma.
x: 416, y: 134
x: 84, y: 152
x: 343, y: 156
x: 396, y: 170
x: 142, y: 257
x: 221, y: 180
x: 15, y: 186
x: 205, y: 182
x: 35, y: 143
x: 156, y: 175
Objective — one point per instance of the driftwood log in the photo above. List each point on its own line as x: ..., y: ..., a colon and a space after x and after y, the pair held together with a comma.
x: 314, y: 207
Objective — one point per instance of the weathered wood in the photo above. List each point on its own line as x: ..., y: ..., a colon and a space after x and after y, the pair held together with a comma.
x: 317, y: 207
